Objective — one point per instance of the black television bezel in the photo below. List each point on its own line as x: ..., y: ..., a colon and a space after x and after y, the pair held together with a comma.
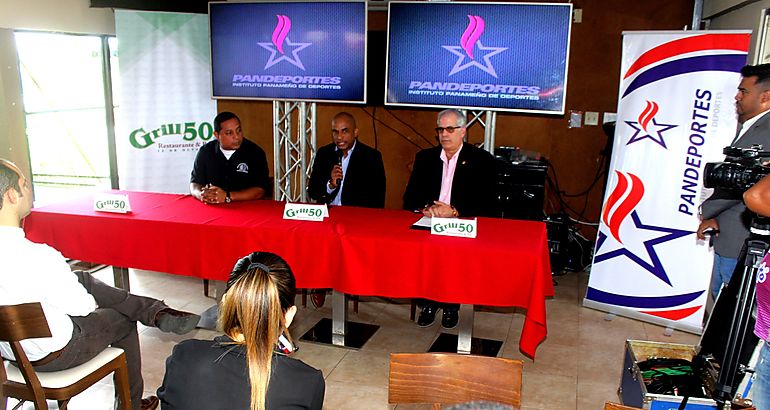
x: 363, y: 101
x: 473, y: 107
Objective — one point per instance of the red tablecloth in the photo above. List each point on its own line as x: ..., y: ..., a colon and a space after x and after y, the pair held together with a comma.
x: 356, y: 250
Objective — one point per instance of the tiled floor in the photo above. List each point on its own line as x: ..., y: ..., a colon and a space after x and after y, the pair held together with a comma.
x: 578, y: 366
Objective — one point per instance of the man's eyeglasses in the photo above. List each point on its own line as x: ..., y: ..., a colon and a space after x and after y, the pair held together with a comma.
x: 450, y: 130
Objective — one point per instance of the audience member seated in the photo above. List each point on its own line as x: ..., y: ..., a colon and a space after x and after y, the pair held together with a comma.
x: 229, y: 168
x: 84, y: 314
x: 249, y: 366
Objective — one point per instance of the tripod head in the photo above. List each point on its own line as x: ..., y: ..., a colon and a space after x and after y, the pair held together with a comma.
x: 760, y: 226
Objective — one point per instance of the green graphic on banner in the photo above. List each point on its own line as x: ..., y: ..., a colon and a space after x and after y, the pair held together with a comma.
x: 165, y: 107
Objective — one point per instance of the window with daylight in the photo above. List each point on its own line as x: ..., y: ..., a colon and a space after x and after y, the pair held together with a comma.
x: 68, y: 89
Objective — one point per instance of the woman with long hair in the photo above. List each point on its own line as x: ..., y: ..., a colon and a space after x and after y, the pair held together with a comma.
x: 248, y: 367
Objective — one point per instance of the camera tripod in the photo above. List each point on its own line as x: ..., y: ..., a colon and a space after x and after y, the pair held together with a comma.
x: 742, y: 290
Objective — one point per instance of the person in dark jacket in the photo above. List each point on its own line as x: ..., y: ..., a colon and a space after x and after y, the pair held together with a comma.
x: 454, y: 179
x: 249, y: 367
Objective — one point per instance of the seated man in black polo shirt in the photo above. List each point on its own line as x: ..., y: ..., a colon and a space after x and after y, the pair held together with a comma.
x: 229, y: 168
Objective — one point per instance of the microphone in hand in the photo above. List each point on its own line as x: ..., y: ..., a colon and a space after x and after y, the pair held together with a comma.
x: 340, y: 154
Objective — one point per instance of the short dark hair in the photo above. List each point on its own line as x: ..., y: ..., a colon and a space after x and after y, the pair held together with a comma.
x: 9, y: 178
x: 222, y: 117
x: 761, y: 71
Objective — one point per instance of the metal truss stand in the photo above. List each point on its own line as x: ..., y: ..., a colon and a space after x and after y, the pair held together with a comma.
x: 486, y: 120
x: 293, y: 153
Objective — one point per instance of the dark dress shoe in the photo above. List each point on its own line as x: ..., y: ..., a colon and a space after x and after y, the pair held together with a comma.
x: 176, y: 321
x: 149, y: 403
x: 449, y: 319
x: 318, y: 297
x: 427, y: 316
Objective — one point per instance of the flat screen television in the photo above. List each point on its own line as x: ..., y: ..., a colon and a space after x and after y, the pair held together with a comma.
x: 307, y: 51
x: 491, y: 56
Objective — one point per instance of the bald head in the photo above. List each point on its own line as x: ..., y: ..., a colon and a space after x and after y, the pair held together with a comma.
x: 346, y: 116
x: 344, y: 131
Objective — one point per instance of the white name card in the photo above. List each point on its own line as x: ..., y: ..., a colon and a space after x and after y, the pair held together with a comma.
x: 463, y: 228
x: 117, y: 203
x: 305, y: 212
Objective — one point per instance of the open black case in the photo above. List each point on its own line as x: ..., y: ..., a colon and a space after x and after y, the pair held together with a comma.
x: 706, y: 357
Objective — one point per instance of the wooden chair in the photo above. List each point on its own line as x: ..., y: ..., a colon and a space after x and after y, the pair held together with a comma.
x: 449, y: 378
x: 21, y: 381
x: 615, y: 406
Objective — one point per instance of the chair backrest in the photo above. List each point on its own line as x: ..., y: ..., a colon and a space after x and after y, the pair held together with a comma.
x: 615, y: 406
x: 19, y: 322
x: 449, y: 378
x: 24, y: 321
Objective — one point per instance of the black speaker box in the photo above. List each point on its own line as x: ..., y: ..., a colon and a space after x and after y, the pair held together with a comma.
x: 521, y: 189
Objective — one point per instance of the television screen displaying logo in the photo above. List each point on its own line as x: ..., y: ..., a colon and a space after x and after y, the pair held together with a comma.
x: 498, y: 56
x: 308, y: 51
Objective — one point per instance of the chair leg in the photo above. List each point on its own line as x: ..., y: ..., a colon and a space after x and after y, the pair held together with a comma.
x: 121, y: 385
x: 355, y: 303
x: 412, y: 310
x: 304, y: 297
x: 63, y: 404
x: 206, y: 287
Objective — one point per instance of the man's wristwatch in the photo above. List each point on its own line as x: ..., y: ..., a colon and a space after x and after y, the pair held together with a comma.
x: 227, y: 197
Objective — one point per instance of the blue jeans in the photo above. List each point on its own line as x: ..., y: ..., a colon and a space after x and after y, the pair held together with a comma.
x: 761, y: 387
x: 721, y: 272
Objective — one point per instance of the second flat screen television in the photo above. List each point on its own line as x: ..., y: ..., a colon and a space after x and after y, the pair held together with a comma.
x: 498, y: 56
x: 309, y: 51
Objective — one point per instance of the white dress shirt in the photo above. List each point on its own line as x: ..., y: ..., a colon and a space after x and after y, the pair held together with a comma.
x: 345, y: 161
x: 33, y: 272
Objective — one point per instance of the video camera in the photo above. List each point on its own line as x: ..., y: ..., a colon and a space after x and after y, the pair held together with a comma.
x: 740, y: 171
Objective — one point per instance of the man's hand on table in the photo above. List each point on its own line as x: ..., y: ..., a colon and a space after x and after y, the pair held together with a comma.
x: 440, y: 210
x: 211, y: 194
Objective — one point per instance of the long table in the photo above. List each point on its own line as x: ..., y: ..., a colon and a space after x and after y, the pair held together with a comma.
x: 356, y: 250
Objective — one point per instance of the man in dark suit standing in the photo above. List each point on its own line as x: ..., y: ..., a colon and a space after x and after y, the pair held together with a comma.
x: 346, y: 172
x: 724, y: 213
x: 454, y: 179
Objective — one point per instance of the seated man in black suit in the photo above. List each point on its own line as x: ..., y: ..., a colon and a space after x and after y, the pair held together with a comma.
x: 346, y: 172
x: 454, y: 179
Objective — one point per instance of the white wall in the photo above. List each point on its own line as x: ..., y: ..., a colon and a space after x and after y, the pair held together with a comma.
x: 70, y: 16
x: 13, y: 141
x: 747, y: 17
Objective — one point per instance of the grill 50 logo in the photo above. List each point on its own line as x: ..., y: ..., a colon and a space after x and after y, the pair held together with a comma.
x: 189, y: 131
x: 453, y: 227
x: 111, y: 204
x: 306, y: 212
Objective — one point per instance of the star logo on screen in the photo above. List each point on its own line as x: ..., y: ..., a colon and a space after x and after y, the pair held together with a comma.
x: 640, y: 246
x: 281, y: 40
x: 469, y: 43
x: 648, y: 126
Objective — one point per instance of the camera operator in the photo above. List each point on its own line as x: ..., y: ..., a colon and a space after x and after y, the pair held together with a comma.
x: 758, y: 200
x: 723, y: 214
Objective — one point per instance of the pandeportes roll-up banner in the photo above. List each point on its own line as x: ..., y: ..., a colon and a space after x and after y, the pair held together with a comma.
x: 676, y: 112
x: 166, y: 110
